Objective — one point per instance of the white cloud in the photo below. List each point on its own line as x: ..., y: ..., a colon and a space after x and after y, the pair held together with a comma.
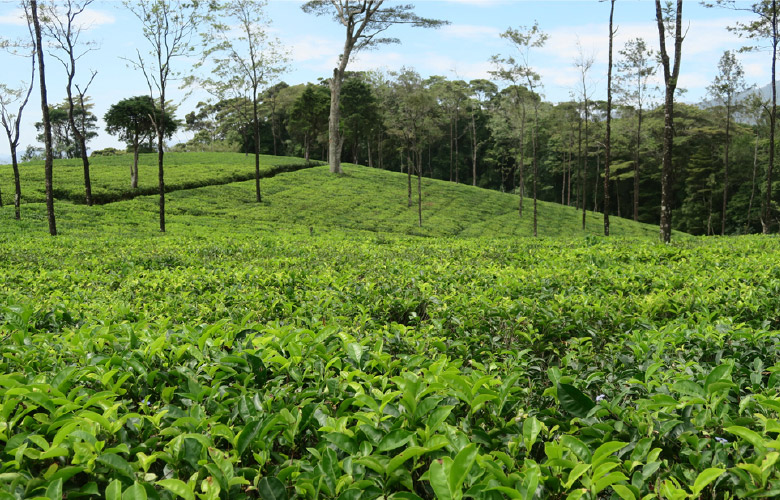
x: 88, y: 19
x: 309, y: 47
x: 14, y: 18
x: 470, y: 31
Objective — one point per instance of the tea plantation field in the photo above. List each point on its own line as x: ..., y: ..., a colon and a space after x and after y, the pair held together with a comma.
x: 287, y: 351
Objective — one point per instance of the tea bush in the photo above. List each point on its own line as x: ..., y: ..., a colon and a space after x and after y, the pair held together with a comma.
x: 339, y: 366
x: 286, y: 350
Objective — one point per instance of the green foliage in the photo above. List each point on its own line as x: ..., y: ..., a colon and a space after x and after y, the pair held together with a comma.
x: 132, y: 120
x: 242, y: 354
x: 110, y: 180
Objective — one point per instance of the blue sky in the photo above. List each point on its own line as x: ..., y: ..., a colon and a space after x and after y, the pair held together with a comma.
x: 459, y: 50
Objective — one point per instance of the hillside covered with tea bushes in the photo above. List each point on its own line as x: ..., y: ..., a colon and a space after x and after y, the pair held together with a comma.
x: 300, y: 348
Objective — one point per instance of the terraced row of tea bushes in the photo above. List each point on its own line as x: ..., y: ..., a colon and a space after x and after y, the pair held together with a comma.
x: 110, y: 176
x: 294, y: 367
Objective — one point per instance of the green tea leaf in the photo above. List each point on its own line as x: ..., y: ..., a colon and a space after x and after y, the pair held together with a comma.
x: 574, y: 401
x: 531, y: 429
x: 117, y: 463
x: 177, y: 487
x: 271, y: 488
x: 135, y: 492
x: 438, y: 476
x: 750, y: 436
x: 705, y: 477
x: 461, y: 467
x: 54, y: 490
x: 394, y: 439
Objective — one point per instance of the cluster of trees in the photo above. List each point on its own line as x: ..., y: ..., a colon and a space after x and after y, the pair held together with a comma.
x: 701, y: 169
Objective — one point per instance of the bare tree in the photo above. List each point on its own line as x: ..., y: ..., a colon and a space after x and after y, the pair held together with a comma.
x: 364, y: 21
x: 523, y: 39
x: 728, y: 84
x: 31, y: 10
x: 244, y: 61
x: 11, y: 121
x: 634, y: 72
x: 584, y: 63
x: 63, y: 29
x: 168, y: 26
x: 607, y: 146
x: 665, y: 18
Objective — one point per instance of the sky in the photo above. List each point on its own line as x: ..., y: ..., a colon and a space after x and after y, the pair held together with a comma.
x: 459, y: 50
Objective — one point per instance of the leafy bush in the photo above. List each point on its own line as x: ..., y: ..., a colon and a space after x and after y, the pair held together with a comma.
x: 285, y: 365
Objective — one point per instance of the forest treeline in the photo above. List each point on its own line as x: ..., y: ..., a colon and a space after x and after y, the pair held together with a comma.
x: 466, y: 132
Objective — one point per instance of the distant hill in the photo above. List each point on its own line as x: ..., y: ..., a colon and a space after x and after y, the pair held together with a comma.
x: 765, y: 93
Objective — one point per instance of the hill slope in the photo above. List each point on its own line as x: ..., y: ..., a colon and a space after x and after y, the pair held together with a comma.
x: 363, y: 199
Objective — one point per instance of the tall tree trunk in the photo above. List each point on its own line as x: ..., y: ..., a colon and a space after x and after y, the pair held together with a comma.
x: 335, y: 140
x: 161, y: 168
x: 670, y: 80
x: 161, y: 152
x: 579, y: 163
x: 766, y: 218
x: 609, y: 123
x: 534, y: 160
x: 134, y: 167
x: 753, y: 182
x: 451, y: 149
x: 522, y: 160
x: 473, y: 150
x: 585, y: 170
x: 636, y: 165
x: 419, y: 188
x: 726, y: 168
x: 17, y: 184
x: 80, y: 138
x: 409, y: 165
x: 256, y: 127
x: 49, y: 162
x: 563, y: 180
x: 596, y: 183
x: 457, y: 170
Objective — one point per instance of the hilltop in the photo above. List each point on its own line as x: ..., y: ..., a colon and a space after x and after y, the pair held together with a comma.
x: 214, y: 190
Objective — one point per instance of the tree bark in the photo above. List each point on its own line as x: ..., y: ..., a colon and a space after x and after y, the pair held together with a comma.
x: 419, y: 188
x: 134, y: 168
x: 670, y: 80
x: 726, y: 167
x: 766, y: 218
x: 636, y: 165
x: 17, y: 184
x: 585, y: 169
x: 534, y: 160
x: 753, y: 182
x: 256, y: 130
x: 409, y: 179
x: 609, y: 123
x: 473, y: 150
x: 335, y: 140
x: 80, y: 138
x: 49, y: 161
x: 161, y: 152
x: 522, y: 160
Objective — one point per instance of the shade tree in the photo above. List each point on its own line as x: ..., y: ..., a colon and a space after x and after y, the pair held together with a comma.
x: 134, y: 120
x: 365, y: 21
